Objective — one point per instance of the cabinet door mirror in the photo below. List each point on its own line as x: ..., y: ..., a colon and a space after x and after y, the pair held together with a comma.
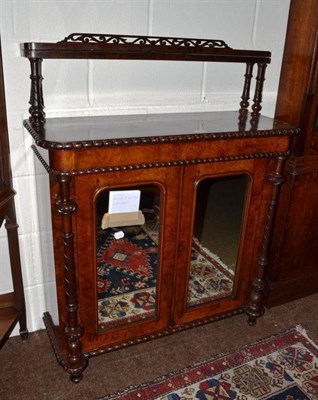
x: 127, y: 254
x: 219, y: 212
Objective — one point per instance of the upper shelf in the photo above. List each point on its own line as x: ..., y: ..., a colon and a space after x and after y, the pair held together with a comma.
x: 106, y: 46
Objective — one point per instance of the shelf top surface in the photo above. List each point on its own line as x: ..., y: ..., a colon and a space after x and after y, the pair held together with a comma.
x: 111, y: 46
x: 102, y: 131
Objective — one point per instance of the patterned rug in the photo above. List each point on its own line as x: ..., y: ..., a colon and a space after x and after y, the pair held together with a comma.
x: 281, y: 367
x: 126, y: 272
x: 210, y: 278
x: 127, y: 275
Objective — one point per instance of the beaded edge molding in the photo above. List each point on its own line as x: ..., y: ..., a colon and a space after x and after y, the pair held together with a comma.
x: 144, y: 40
x: 162, y: 164
x: 154, y: 139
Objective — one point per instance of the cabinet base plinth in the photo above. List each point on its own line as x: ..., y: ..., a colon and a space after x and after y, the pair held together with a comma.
x: 51, y: 331
x: 159, y: 334
x: 76, y: 372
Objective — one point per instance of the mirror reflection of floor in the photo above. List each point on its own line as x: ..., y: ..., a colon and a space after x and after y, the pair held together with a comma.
x: 210, y: 279
x: 219, y: 228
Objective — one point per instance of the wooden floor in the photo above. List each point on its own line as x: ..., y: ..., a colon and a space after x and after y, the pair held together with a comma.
x: 29, y: 369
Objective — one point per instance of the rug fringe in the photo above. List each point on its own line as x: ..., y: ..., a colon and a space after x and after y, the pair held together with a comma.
x: 213, y: 255
x: 303, y: 332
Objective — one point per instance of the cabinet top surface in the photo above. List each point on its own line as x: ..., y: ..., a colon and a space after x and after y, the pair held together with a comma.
x: 104, y: 131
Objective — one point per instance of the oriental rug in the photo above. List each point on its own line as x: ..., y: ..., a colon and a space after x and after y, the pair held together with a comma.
x: 281, y: 367
x: 127, y: 270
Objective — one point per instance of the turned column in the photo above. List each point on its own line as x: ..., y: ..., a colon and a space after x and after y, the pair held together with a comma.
x: 258, y: 94
x: 37, y: 114
x: 255, y: 307
x: 246, y: 89
x: 76, y: 362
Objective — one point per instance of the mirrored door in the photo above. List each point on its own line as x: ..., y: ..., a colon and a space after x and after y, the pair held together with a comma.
x: 126, y: 263
x: 217, y: 226
x: 127, y: 254
x: 220, y: 206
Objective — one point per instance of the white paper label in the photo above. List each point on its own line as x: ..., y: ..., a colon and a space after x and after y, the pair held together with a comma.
x: 122, y: 201
x: 119, y: 235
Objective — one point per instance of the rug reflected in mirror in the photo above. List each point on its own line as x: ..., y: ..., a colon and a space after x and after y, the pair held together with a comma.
x: 127, y: 271
x: 281, y: 367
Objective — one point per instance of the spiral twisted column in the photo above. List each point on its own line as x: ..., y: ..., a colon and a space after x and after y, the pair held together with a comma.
x: 255, y: 307
x: 76, y: 362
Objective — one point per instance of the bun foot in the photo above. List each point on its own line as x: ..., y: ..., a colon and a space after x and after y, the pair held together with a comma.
x: 76, y: 378
x: 251, y: 321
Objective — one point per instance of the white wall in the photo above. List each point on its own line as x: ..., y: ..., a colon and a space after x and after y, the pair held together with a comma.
x: 80, y: 87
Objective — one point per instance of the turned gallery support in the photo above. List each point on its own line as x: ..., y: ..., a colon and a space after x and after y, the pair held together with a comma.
x: 37, y: 114
x: 255, y: 307
x: 258, y: 94
x: 246, y: 89
x: 76, y: 362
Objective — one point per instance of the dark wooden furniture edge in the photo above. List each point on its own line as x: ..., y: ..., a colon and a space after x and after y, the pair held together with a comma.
x: 12, y: 304
x: 52, y: 331
x: 283, y: 292
x: 9, y: 316
x: 6, y: 195
x: 293, y: 272
x: 89, y: 45
x: 298, y: 165
x: 301, y: 172
x: 35, y: 132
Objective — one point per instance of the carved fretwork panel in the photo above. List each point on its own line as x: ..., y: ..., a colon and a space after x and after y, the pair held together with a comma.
x: 144, y: 40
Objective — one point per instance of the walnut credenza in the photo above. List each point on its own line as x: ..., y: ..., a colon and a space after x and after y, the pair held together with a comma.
x: 165, y: 275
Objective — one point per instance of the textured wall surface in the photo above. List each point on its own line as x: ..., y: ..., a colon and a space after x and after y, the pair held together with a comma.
x: 80, y: 87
